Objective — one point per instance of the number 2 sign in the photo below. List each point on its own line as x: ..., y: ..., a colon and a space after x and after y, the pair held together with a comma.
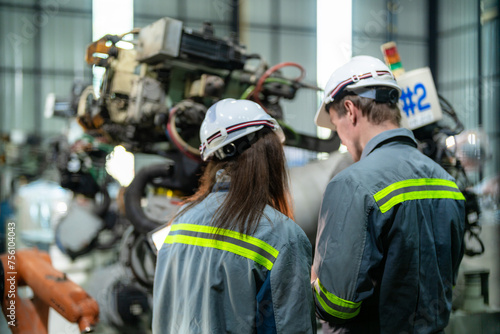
x: 419, y: 101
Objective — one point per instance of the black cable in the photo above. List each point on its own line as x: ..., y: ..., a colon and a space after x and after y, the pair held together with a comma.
x: 450, y: 111
x: 135, y: 191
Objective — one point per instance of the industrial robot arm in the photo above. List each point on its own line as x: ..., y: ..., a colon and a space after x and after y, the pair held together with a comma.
x: 51, y: 288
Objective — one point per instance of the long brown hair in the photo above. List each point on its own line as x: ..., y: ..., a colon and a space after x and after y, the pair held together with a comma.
x: 258, y: 178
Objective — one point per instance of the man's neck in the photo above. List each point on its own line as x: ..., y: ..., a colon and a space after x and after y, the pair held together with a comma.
x: 370, y: 130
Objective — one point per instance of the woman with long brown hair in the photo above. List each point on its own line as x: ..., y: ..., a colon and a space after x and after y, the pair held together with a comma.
x: 234, y: 260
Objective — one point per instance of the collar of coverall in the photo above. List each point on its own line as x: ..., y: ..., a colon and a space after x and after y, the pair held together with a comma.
x: 222, y: 181
x: 400, y: 134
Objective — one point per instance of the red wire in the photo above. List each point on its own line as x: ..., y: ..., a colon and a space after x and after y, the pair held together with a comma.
x: 176, y: 143
x: 268, y: 73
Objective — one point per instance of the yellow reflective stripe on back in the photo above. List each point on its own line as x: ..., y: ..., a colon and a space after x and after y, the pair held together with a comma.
x: 229, y: 233
x: 337, y: 300
x: 420, y: 195
x: 413, y: 182
x: 222, y: 245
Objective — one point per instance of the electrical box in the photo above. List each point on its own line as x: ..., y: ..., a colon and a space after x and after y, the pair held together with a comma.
x: 160, y: 40
x: 166, y: 39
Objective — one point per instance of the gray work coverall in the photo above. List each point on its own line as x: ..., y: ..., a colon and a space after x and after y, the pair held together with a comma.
x: 236, y: 283
x: 389, y: 242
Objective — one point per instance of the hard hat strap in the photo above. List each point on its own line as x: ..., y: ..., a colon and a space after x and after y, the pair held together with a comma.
x: 380, y: 94
x: 236, y: 147
x: 236, y: 127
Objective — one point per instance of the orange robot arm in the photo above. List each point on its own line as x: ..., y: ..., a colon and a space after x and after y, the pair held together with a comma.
x: 51, y: 288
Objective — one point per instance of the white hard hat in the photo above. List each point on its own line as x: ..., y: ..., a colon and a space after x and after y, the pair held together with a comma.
x: 356, y: 75
x: 229, y: 120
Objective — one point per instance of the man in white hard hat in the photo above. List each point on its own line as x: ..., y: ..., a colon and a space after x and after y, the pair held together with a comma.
x: 390, y: 229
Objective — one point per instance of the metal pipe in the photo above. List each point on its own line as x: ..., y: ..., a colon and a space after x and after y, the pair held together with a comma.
x: 389, y: 33
x: 479, y: 65
x: 433, y: 6
x: 37, y: 82
x: 480, y: 74
x: 235, y: 19
x: 496, y: 159
x: 275, y: 32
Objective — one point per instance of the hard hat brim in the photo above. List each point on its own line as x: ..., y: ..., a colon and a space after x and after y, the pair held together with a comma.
x: 322, y: 118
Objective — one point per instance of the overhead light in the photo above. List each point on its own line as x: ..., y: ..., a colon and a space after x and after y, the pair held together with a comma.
x: 450, y: 142
x: 120, y: 165
x: 471, y: 138
x: 333, y: 42
x: 113, y: 17
x: 333, y: 37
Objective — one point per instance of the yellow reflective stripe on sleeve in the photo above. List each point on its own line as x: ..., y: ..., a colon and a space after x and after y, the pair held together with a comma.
x: 337, y: 300
x: 222, y: 245
x: 416, y: 189
x: 335, y: 306
x: 335, y: 313
x: 229, y: 233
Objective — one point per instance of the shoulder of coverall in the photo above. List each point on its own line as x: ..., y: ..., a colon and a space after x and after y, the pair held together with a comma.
x: 361, y: 175
x: 278, y: 226
x: 274, y: 227
x: 390, y: 157
x: 399, y: 134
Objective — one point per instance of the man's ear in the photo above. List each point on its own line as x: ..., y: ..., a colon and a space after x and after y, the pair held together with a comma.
x: 352, y: 111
